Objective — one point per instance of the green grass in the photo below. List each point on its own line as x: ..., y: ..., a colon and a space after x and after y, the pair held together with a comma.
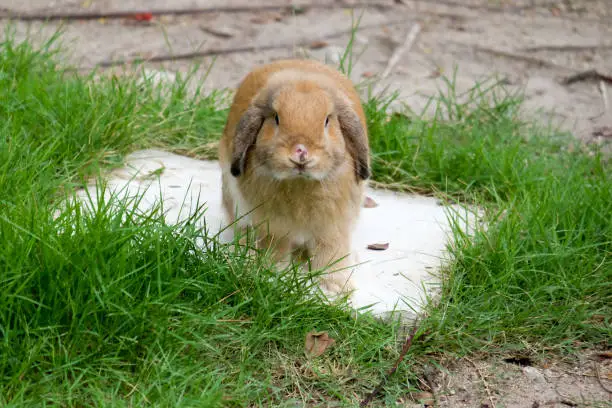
x: 541, y: 274
x: 117, y: 308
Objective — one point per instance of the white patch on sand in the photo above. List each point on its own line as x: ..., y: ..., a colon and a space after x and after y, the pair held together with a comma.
x: 399, y: 278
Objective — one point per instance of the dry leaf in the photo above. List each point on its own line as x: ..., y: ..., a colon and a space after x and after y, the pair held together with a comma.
x: 259, y: 20
x: 369, y: 203
x: 265, y: 18
x: 317, y: 343
x: 436, y: 73
x: 425, y: 398
x: 605, y: 355
x: 603, y: 132
x: 379, y: 247
x: 315, y: 45
x: 142, y: 55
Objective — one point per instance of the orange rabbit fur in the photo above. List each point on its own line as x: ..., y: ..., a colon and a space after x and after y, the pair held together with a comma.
x: 295, y: 155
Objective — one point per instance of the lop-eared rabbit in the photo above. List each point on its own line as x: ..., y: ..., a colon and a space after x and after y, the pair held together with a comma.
x: 295, y: 156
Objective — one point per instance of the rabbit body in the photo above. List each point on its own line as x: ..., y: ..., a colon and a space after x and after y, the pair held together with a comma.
x: 294, y: 154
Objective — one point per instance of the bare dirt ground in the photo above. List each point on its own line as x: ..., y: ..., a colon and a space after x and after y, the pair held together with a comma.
x: 532, y: 45
x: 499, y: 383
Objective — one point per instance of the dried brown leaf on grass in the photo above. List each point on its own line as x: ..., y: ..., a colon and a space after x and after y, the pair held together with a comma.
x: 317, y: 343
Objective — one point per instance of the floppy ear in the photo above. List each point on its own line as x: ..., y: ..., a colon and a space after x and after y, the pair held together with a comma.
x: 246, y: 132
x: 356, y: 138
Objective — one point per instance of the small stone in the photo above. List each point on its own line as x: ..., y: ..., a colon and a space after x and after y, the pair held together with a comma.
x: 379, y: 246
x: 369, y: 203
x: 534, y: 375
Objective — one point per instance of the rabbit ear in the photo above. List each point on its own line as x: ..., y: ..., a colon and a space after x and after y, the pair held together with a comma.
x: 246, y: 132
x: 356, y: 138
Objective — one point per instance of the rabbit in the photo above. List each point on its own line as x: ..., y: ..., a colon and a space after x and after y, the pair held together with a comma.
x: 295, y: 157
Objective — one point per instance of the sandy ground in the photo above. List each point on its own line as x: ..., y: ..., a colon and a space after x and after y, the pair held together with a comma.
x: 531, y: 45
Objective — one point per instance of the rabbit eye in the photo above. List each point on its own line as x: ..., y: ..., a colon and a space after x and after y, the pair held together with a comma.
x: 276, y: 119
x: 327, y: 121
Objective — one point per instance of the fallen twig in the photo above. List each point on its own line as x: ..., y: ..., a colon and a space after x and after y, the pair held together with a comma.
x: 429, y: 374
x: 566, y: 47
x: 604, y: 95
x: 195, y: 54
x: 216, y: 32
x: 590, y: 74
x: 94, y: 15
x: 502, y: 9
x: 522, y: 57
x: 237, y: 50
x: 484, y: 382
x: 609, y: 391
x: 580, y: 76
x: 535, y: 9
x: 393, y: 369
x: 405, y: 46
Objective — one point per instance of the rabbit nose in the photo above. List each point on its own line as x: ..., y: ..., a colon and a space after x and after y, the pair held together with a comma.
x: 300, y: 153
